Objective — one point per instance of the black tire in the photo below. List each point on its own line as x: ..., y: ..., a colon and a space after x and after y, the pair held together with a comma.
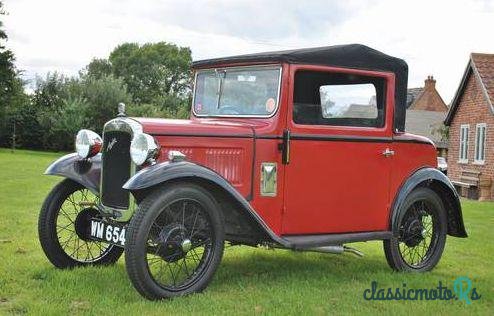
x: 422, y: 233
x: 57, y: 219
x: 156, y: 239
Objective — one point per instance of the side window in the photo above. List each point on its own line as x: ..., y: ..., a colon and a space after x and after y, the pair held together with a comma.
x: 338, y: 99
x: 464, y: 128
x: 480, y: 143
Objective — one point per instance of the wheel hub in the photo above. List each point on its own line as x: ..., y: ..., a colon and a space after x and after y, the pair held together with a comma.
x: 414, y: 232
x: 186, y: 245
x: 82, y: 222
x: 173, y: 246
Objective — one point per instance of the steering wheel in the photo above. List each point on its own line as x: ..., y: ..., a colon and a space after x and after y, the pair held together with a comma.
x: 228, y: 110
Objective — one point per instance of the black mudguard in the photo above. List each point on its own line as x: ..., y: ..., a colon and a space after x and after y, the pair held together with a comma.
x: 166, y: 171
x: 440, y: 183
x: 87, y: 172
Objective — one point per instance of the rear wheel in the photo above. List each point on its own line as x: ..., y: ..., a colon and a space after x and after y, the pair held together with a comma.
x: 63, y: 226
x: 174, y: 242
x: 422, y: 233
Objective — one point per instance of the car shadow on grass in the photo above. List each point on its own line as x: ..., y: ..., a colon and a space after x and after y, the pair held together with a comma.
x: 242, y: 269
x: 284, y: 266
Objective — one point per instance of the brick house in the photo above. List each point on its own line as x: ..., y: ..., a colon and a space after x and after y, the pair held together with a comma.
x: 471, y: 129
x: 426, y: 98
x: 426, y: 112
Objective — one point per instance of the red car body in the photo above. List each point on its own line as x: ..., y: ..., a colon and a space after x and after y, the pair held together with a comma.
x: 348, y: 186
x: 339, y: 180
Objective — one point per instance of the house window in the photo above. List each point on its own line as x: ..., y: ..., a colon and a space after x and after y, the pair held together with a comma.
x: 464, y: 143
x: 480, y: 143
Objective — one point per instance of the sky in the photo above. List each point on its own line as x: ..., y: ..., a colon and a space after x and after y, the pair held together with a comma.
x: 434, y: 37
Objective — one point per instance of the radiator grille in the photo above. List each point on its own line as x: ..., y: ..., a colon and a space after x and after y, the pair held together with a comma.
x: 115, y: 169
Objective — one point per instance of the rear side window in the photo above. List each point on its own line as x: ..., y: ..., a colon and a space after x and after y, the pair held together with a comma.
x: 339, y: 99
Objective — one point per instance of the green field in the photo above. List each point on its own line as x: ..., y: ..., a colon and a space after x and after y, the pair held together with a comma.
x: 249, y: 281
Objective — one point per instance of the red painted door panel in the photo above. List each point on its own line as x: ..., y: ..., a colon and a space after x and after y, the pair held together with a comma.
x: 338, y: 179
x: 336, y: 187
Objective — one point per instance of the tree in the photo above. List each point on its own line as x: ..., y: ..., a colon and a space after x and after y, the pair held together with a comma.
x: 97, y: 68
x: 61, y: 106
x: 102, y: 97
x: 36, y: 118
x: 11, y: 88
x: 8, y: 76
x: 8, y: 73
x: 50, y: 91
x: 153, y: 70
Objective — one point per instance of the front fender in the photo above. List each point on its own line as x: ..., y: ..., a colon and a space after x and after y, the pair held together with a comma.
x: 84, y: 171
x: 165, y: 171
x: 162, y: 172
x: 437, y: 181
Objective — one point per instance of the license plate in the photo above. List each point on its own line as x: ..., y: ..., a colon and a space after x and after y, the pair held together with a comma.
x: 110, y: 233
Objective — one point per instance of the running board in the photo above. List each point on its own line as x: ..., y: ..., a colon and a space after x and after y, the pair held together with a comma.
x: 311, y: 241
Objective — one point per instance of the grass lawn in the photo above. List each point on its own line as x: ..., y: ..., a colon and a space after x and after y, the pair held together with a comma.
x: 249, y: 281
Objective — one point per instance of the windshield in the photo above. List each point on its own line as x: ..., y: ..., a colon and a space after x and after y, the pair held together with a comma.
x: 237, y: 91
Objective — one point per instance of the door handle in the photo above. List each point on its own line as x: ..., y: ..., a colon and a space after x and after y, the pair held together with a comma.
x: 388, y: 153
x: 285, y: 147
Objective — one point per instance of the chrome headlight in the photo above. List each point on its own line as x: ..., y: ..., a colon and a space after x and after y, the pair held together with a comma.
x: 143, y: 148
x: 87, y: 143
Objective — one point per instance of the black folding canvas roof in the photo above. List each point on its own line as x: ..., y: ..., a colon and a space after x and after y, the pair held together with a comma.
x: 354, y: 56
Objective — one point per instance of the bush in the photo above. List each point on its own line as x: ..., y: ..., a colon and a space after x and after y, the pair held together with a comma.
x: 173, y: 106
x: 29, y: 131
x: 102, y: 97
x: 62, y: 124
x: 145, y: 110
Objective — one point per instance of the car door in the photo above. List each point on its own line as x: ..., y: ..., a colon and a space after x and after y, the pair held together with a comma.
x: 338, y: 174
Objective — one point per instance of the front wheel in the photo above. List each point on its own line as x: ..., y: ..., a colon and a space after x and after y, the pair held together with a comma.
x: 421, y: 233
x: 174, y: 242
x: 62, y: 226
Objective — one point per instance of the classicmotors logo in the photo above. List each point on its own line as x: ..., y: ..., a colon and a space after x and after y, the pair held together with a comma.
x: 462, y: 290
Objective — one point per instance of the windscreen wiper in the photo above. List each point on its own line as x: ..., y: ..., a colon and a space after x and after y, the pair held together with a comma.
x: 220, y: 74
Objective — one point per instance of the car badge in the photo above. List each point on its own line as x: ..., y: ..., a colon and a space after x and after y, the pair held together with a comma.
x: 110, y: 144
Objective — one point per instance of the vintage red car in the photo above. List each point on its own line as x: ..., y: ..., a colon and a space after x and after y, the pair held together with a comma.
x: 302, y: 149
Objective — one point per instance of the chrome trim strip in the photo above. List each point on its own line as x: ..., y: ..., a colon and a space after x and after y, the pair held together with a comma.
x: 239, y: 115
x: 119, y: 124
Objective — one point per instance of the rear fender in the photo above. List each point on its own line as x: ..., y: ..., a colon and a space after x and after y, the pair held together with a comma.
x: 439, y: 183
x: 84, y: 171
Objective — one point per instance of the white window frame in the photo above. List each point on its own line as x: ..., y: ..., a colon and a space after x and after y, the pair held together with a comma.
x: 479, y: 154
x: 463, y: 154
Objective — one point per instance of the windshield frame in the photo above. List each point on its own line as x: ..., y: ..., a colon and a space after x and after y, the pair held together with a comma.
x: 272, y: 66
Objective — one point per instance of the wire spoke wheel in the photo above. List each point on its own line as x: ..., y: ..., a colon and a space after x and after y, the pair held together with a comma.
x: 179, y: 244
x: 64, y: 226
x: 71, y: 223
x: 420, y: 233
x: 175, y: 241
